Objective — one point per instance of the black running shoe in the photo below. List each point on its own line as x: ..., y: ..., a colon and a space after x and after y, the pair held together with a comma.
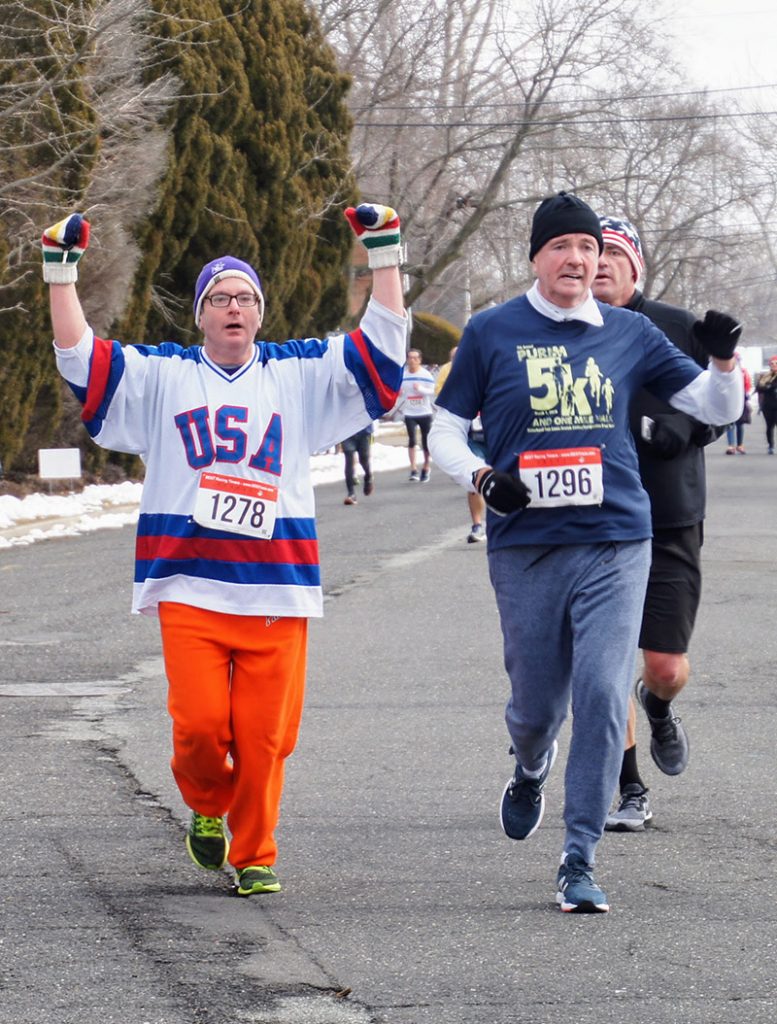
x: 669, y: 744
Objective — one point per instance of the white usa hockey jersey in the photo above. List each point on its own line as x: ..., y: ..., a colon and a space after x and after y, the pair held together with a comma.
x: 190, y: 421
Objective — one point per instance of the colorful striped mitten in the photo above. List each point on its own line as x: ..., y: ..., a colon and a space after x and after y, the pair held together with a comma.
x: 63, y: 245
x: 377, y: 228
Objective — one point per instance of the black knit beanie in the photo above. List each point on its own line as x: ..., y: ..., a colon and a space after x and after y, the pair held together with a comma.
x: 563, y: 214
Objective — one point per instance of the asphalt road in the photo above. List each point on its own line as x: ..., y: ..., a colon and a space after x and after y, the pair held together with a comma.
x: 403, y: 903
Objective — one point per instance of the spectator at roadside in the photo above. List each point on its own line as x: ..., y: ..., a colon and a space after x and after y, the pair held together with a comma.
x: 735, y: 432
x: 766, y: 389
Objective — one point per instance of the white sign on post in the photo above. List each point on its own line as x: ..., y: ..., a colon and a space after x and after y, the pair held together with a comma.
x: 59, y: 463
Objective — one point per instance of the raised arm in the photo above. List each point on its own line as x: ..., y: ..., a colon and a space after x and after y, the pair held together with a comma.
x: 63, y: 244
x: 378, y: 229
x: 387, y: 289
x: 68, y: 322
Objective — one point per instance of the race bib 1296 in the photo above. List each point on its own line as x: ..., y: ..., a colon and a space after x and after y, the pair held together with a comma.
x: 563, y: 476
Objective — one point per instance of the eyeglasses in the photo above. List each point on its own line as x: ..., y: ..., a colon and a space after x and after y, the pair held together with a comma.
x: 221, y: 300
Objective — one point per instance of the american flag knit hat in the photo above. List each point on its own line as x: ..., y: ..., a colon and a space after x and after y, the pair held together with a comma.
x: 622, y: 233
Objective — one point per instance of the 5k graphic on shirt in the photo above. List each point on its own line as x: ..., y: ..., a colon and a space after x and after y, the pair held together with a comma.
x: 560, y: 400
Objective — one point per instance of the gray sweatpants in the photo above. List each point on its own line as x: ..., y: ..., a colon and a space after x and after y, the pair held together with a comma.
x: 570, y: 619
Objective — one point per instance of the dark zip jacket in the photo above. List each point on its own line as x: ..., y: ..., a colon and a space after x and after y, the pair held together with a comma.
x: 672, y: 468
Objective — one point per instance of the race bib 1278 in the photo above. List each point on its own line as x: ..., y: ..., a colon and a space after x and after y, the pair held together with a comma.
x: 231, y: 503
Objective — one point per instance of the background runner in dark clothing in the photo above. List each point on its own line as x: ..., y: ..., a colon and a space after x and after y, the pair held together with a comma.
x: 670, y: 448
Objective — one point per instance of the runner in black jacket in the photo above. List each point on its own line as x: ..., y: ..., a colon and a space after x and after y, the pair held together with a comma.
x: 670, y: 447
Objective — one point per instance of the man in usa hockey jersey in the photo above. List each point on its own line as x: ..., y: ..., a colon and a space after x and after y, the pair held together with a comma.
x: 226, y: 551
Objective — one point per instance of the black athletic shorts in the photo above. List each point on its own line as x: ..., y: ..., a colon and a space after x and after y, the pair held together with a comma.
x: 673, y: 590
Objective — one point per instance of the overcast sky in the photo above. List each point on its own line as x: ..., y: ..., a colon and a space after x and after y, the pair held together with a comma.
x: 725, y: 44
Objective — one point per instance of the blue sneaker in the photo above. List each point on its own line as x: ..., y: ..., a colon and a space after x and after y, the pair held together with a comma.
x: 523, y: 801
x: 578, y: 893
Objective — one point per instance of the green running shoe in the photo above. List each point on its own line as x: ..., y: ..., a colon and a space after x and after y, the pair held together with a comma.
x: 255, y: 879
x: 206, y: 842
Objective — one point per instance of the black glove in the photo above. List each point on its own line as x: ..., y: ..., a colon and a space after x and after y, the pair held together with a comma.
x: 704, y: 434
x: 671, y: 434
x: 502, y: 492
x: 718, y: 333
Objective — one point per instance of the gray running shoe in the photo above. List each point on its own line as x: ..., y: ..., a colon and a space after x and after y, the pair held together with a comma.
x: 476, y: 534
x: 669, y: 744
x: 633, y: 812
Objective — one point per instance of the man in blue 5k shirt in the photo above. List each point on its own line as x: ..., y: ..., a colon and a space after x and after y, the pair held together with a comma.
x: 552, y: 374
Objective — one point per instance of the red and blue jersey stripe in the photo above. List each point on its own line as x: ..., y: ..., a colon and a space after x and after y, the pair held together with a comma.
x: 172, y: 545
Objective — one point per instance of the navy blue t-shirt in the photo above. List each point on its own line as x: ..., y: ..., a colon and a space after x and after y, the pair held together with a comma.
x: 541, y: 385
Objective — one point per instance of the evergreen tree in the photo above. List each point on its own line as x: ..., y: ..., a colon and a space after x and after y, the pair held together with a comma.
x: 258, y: 169
x: 257, y: 165
x: 57, y: 130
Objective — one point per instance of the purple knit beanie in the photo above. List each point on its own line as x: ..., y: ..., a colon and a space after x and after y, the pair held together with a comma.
x: 218, y: 270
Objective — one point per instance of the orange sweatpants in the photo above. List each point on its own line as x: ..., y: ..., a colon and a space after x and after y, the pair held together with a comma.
x: 235, y: 693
